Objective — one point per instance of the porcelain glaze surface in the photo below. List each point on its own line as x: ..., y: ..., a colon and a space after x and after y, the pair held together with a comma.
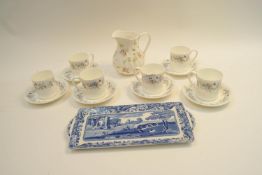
x: 130, y: 125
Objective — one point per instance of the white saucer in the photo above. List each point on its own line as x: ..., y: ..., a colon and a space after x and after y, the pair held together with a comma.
x: 32, y: 97
x: 68, y: 75
x: 223, y: 97
x: 80, y: 95
x: 137, y: 89
x: 172, y: 72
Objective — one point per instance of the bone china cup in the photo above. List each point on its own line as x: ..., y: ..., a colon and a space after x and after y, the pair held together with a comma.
x: 182, y: 58
x: 208, y: 83
x: 44, y: 84
x: 93, y: 82
x: 152, y: 76
x: 80, y: 61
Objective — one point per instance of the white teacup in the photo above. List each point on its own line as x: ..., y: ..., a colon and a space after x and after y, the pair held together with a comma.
x: 44, y: 84
x: 208, y: 83
x: 93, y: 81
x: 152, y: 76
x: 79, y: 61
x: 181, y: 58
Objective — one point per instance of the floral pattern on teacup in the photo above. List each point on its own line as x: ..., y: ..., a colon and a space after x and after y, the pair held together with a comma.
x: 209, y: 86
x: 179, y: 58
x: 152, y: 79
x: 94, y: 84
x: 79, y: 65
x: 40, y: 85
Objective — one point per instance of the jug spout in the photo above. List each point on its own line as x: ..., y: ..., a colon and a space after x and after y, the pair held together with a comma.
x: 120, y: 34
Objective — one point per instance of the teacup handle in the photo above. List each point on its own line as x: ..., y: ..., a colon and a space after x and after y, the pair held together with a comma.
x: 189, y: 77
x: 75, y: 81
x: 91, y: 60
x: 193, y: 59
x: 138, y: 71
x: 148, y: 40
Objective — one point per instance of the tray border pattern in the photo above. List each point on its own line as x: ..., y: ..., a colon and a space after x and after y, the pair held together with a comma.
x: 80, y: 120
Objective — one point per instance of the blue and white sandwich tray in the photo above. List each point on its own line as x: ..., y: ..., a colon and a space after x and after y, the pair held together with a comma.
x: 131, y: 125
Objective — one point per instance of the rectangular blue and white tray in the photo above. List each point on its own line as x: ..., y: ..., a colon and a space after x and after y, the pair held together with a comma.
x: 131, y: 125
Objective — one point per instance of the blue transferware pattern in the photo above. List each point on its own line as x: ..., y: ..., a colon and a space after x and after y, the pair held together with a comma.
x: 130, y: 125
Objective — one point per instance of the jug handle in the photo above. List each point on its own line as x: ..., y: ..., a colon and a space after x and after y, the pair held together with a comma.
x: 148, y: 40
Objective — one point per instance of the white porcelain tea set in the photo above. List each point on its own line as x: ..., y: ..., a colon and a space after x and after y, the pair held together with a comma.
x: 90, y: 86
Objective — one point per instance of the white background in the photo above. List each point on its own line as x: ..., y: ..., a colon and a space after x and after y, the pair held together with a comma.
x: 37, y: 35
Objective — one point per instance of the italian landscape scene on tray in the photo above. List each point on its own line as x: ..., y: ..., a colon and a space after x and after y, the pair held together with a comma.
x: 131, y: 125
